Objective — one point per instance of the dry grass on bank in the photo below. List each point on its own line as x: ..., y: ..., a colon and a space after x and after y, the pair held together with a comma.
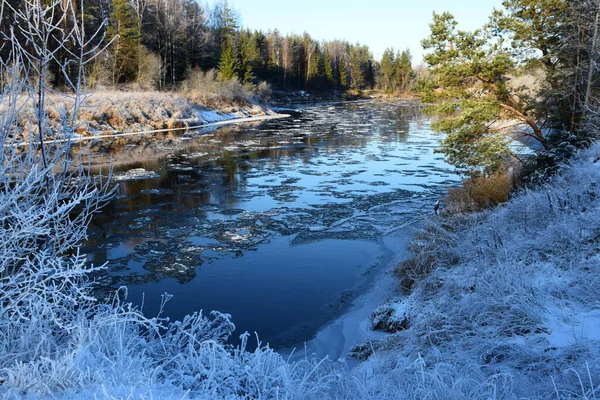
x: 205, y: 87
x: 480, y: 193
x: 428, y: 246
x: 108, y: 111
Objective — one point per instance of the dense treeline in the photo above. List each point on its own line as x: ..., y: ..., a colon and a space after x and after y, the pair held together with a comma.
x: 396, y: 73
x: 159, y: 43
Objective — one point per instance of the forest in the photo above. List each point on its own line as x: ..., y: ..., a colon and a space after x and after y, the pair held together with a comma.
x: 158, y: 44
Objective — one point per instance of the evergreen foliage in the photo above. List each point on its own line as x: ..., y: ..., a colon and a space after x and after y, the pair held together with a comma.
x: 177, y: 36
x: 403, y: 72
x: 329, y: 77
x: 229, y: 65
x: 531, y: 75
x: 124, y: 32
x: 387, y: 70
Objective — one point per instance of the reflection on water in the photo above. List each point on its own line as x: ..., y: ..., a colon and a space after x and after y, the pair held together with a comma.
x: 276, y: 223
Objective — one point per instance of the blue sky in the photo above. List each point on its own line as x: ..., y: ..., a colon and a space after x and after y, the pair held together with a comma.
x: 377, y: 23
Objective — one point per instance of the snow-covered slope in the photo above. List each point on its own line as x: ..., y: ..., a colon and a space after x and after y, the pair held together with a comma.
x: 512, y: 306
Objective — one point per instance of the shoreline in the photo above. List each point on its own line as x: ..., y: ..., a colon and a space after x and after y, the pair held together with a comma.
x: 352, y: 327
x: 232, y: 121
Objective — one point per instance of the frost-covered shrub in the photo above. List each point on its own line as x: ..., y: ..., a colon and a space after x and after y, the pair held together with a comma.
x: 430, y: 249
x: 149, y: 69
x: 204, y: 87
x: 388, y: 318
x: 263, y: 92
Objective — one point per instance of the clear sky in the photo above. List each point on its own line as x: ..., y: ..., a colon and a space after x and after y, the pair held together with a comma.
x: 377, y: 23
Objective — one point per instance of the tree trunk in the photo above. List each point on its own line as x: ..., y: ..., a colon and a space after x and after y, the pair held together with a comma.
x: 588, y: 90
x: 537, y: 133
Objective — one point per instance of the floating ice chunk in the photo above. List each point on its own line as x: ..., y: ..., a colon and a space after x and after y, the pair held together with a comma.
x: 135, y: 174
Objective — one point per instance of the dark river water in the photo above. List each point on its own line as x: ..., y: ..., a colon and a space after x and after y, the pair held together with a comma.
x: 279, y: 224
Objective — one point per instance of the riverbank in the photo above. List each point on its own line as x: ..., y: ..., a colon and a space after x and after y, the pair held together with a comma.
x: 286, y: 98
x: 120, y: 115
x: 338, y: 339
x: 502, y: 303
x: 111, y: 112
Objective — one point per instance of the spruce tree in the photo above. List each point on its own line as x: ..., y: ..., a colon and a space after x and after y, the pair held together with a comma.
x: 248, y: 55
x: 343, y: 75
x: 329, y: 78
x: 387, y: 71
x: 403, y: 70
x: 229, y: 63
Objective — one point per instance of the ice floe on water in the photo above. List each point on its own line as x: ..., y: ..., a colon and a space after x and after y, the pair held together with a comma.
x: 263, y: 192
x: 135, y: 174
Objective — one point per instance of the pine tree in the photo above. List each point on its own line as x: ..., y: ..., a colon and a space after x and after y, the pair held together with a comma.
x: 461, y: 61
x: 124, y: 52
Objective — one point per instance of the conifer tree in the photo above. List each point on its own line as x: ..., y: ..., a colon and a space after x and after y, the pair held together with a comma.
x: 314, y: 72
x: 248, y: 55
x: 124, y: 30
x: 388, y: 80
x: 229, y: 62
x: 330, y: 79
x: 403, y: 70
x: 343, y: 75
x: 553, y: 45
x: 462, y: 61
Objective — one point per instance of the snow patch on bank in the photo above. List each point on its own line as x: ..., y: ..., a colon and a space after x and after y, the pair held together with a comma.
x: 135, y: 174
x: 336, y: 339
x: 209, y: 116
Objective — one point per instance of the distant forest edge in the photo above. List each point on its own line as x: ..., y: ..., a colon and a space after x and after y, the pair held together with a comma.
x: 165, y: 44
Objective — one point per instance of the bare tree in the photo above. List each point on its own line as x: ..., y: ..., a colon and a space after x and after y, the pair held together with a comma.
x: 46, y: 196
x: 48, y: 317
x: 286, y: 60
x: 593, y: 67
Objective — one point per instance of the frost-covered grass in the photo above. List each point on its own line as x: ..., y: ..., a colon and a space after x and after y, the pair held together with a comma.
x: 510, y: 308
x: 510, y: 303
x: 108, y: 111
x: 503, y: 304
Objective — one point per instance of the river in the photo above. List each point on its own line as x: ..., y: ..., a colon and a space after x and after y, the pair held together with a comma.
x: 279, y: 224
